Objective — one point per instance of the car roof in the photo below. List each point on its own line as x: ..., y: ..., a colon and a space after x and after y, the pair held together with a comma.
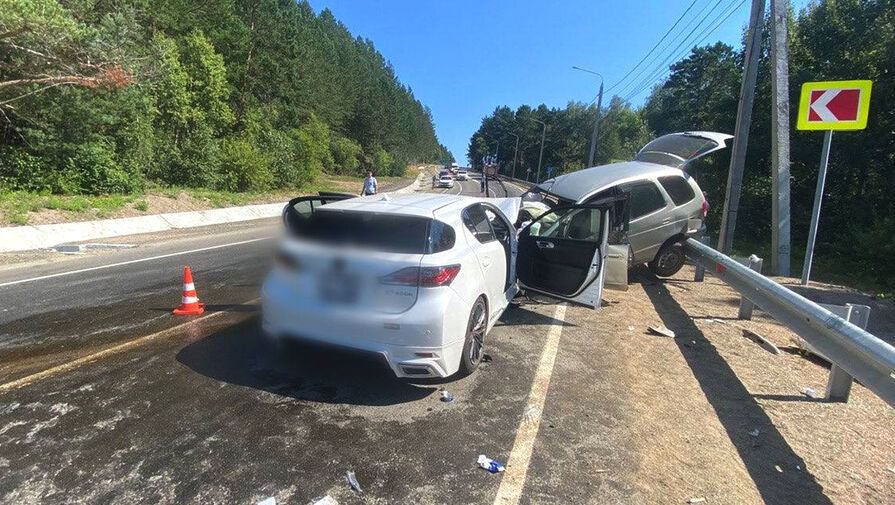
x: 577, y: 185
x: 420, y: 204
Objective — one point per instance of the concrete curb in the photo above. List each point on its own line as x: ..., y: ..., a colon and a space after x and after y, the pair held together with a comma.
x: 24, y: 238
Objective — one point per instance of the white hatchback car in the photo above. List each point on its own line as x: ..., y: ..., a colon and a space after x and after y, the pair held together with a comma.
x: 421, y: 279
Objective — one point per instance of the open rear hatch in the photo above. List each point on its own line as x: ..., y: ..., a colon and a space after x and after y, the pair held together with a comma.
x: 678, y: 149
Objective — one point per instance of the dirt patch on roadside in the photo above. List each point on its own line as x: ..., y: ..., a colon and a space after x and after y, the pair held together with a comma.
x: 742, y: 432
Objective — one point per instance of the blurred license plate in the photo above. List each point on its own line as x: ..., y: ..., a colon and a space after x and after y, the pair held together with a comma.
x: 339, y: 288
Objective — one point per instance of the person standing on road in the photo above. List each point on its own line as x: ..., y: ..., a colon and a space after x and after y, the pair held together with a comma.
x: 370, y: 185
x: 484, y: 178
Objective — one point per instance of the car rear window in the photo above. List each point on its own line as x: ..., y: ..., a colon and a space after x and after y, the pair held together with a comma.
x: 476, y: 221
x: 380, y: 232
x: 645, y: 199
x: 441, y: 237
x: 677, y: 188
x: 675, y: 149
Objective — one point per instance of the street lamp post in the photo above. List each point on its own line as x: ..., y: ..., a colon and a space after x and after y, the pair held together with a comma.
x: 593, y: 137
x: 541, y: 156
x: 515, y: 153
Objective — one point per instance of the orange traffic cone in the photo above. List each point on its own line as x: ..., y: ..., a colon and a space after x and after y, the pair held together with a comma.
x: 189, y: 303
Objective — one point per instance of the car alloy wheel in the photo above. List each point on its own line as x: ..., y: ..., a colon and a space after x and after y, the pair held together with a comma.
x: 474, y: 346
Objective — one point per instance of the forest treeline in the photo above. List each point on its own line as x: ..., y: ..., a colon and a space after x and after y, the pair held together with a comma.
x: 101, y: 97
x: 828, y: 40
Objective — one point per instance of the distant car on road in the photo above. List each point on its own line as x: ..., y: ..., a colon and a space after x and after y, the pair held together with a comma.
x: 462, y: 174
x: 665, y: 204
x: 445, y: 181
x: 421, y: 279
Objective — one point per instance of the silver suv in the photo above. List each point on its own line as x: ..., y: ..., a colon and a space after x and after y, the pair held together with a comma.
x: 662, y: 203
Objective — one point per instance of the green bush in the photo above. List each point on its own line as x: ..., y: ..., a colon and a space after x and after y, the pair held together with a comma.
x: 244, y: 167
x: 382, y: 162
x: 20, y: 170
x: 92, y: 168
x: 346, y: 155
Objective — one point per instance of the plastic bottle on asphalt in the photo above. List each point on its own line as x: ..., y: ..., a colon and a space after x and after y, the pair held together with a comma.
x: 490, y: 465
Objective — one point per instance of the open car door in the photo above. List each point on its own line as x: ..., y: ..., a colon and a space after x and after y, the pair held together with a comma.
x: 678, y: 149
x: 298, y: 210
x: 563, y: 253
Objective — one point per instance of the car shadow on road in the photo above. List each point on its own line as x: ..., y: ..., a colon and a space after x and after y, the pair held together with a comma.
x: 240, y: 355
x: 737, y: 409
x: 518, y: 313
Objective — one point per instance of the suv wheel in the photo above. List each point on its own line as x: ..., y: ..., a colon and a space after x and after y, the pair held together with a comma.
x: 669, y: 260
x: 474, y: 346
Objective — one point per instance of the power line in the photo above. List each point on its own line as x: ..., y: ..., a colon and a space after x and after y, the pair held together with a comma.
x: 673, y: 52
x: 705, y: 33
x: 654, y: 47
x: 647, y: 68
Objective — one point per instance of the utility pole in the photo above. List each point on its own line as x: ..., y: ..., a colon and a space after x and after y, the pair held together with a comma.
x: 541, y: 156
x: 515, y: 153
x: 593, y: 137
x: 741, y: 132
x: 780, y: 208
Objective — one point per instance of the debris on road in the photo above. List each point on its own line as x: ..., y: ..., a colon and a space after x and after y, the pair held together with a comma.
x: 447, y: 396
x: 761, y: 341
x: 326, y: 500
x: 268, y: 501
x: 755, y: 432
x: 661, y: 331
x: 696, y: 500
x: 810, y: 393
x: 490, y: 465
x: 777, y: 467
x: 352, y: 481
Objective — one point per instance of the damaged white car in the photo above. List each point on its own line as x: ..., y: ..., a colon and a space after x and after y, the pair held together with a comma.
x: 421, y: 279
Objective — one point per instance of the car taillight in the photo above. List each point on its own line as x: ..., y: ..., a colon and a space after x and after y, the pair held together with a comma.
x: 425, y: 277
x: 705, y: 208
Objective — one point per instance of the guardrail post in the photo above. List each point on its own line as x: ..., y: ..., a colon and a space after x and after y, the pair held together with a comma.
x: 745, y: 304
x: 839, y: 382
x: 699, y: 275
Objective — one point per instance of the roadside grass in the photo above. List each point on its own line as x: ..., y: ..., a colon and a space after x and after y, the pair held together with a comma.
x: 21, y: 207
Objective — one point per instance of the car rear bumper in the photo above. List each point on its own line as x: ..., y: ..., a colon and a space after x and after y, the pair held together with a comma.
x: 421, y: 342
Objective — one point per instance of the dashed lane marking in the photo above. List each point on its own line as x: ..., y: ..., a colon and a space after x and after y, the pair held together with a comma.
x: 105, y: 353
x: 131, y: 262
x: 510, y: 490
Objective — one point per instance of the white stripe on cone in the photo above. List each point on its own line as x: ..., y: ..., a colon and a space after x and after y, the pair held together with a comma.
x: 189, y: 287
x: 189, y: 299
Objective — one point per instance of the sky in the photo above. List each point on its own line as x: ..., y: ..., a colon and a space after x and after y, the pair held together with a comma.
x: 464, y: 58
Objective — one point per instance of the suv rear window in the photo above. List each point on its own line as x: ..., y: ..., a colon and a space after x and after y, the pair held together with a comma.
x: 379, y: 232
x: 675, y: 149
x: 645, y: 198
x: 677, y: 188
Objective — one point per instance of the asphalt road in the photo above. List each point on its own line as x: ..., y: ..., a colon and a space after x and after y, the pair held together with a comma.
x: 108, y: 397
x: 105, y: 397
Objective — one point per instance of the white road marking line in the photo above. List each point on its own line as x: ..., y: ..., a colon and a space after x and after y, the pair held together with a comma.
x: 510, y: 490
x: 72, y: 272
x: 71, y: 365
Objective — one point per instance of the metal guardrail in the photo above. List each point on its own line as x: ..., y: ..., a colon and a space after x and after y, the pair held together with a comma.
x: 859, y: 353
